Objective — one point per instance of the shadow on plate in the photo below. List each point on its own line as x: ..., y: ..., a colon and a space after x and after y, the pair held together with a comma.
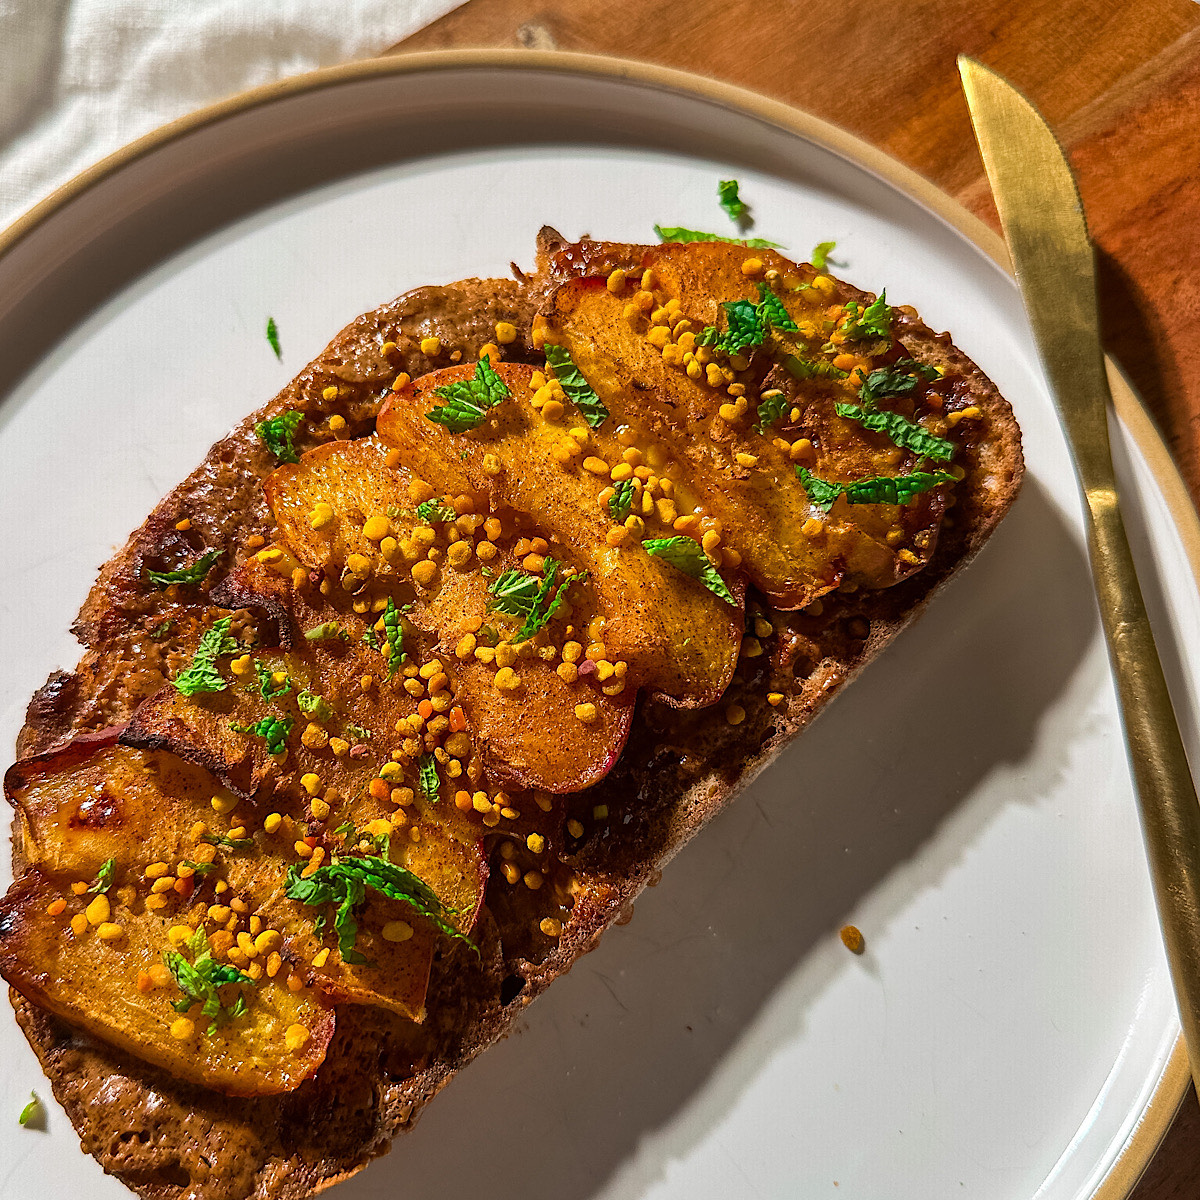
x: 652, y: 1023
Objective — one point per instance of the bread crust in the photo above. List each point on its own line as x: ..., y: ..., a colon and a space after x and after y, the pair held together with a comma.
x: 165, y: 1139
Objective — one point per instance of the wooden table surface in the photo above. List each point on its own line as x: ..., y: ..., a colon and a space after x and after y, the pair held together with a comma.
x: 1119, y: 80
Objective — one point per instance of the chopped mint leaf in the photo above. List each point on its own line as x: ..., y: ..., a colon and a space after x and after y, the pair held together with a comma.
x: 468, y: 400
x: 428, y: 777
x: 433, y: 510
x: 344, y: 883
x: 820, y: 254
x: 900, y: 429
x: 32, y: 1114
x: 277, y: 434
x: 314, y: 706
x: 676, y: 233
x: 772, y: 409
x: 578, y: 390
x: 743, y: 328
x: 686, y: 555
x: 273, y: 338
x: 879, y: 489
x: 520, y: 594
x: 193, y: 574
x: 771, y: 311
x: 325, y: 631
x: 874, y: 321
x: 104, y: 877
x: 730, y: 201
x: 621, y: 501
x: 812, y: 368
x: 219, y: 839
x: 267, y: 687
x: 201, y: 979
x: 202, y: 675
x: 273, y: 730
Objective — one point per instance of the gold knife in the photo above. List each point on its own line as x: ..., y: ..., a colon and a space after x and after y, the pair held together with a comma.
x: 1044, y: 224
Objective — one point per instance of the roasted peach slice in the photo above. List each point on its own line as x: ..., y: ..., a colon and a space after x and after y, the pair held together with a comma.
x: 638, y: 350
x: 344, y: 512
x: 145, y: 811
x: 679, y: 639
x: 110, y: 978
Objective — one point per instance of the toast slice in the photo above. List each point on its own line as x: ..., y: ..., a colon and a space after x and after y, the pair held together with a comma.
x: 166, y: 1137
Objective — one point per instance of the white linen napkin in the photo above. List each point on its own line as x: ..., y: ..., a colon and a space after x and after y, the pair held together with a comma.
x: 80, y: 78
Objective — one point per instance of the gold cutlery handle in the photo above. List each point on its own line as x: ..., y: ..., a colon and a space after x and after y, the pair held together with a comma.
x: 1170, y: 809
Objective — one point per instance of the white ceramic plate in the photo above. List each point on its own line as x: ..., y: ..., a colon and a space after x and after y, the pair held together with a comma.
x: 967, y: 804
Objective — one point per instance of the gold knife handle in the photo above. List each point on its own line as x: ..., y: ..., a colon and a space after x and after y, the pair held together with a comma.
x: 1170, y: 810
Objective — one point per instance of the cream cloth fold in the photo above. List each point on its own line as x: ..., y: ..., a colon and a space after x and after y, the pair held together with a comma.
x: 80, y: 78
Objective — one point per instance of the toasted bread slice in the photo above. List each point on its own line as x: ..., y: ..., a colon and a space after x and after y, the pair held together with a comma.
x: 679, y: 768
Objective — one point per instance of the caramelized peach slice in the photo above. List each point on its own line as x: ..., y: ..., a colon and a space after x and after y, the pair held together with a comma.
x: 97, y: 800
x: 97, y: 977
x: 703, y: 411
x: 679, y: 639
x: 527, y: 731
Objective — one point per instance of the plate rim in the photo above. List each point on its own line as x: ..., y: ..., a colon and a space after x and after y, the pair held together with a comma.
x: 1160, y: 1110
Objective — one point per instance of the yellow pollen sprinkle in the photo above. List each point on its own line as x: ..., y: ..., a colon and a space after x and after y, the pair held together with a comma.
x: 296, y: 1038
x: 431, y: 346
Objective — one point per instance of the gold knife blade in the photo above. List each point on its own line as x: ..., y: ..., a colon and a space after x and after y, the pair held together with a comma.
x: 1047, y: 236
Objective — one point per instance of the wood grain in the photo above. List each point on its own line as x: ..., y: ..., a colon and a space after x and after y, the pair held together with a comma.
x: 1120, y: 83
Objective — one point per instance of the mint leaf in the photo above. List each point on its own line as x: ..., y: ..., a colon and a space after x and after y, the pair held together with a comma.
x: 393, y: 638
x: 824, y: 495
x: 435, y: 510
x: 273, y: 338
x: 676, y: 233
x: 874, y: 321
x: 202, y: 674
x: 730, y: 201
x: 621, y: 501
x: 200, y: 979
x: 276, y: 433
x: 193, y: 574
x: 820, y: 254
x: 468, y: 400
x: 31, y: 1111
x: 743, y: 328
x: 327, y: 630
x: 579, y: 391
x: 897, y: 379
x: 267, y: 688
x: 747, y: 323
x: 772, y: 409
x: 686, y: 555
x: 901, y: 430
x: 273, y: 730
x: 520, y: 594
x: 879, y: 489
x: 104, y: 877
x: 314, y: 706
x: 343, y: 884
x: 771, y: 312
x: 428, y: 778
x: 812, y: 368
